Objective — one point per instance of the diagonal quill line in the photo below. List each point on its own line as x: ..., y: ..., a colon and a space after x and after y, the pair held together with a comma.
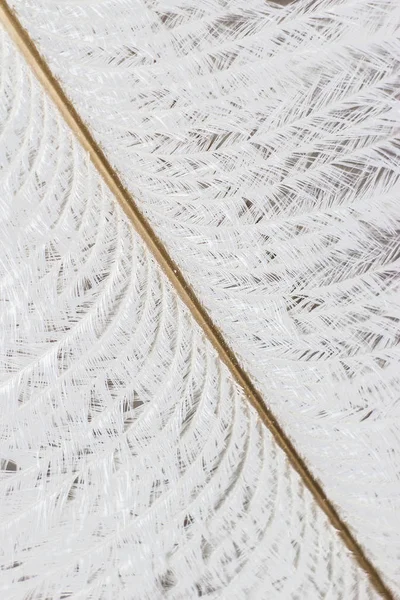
x: 142, y: 226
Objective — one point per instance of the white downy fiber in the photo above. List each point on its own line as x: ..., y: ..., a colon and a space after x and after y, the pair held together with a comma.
x: 132, y: 467
x: 262, y: 142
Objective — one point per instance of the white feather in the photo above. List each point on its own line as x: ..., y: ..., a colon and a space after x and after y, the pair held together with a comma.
x: 132, y: 467
x: 262, y: 143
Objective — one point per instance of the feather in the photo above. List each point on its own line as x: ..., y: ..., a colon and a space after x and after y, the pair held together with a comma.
x: 132, y: 467
x: 262, y: 143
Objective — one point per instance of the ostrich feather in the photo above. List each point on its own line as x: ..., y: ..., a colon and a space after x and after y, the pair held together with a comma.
x: 132, y: 467
x: 262, y: 143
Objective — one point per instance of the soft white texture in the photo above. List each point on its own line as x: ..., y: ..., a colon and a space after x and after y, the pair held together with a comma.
x: 262, y: 143
x: 132, y: 467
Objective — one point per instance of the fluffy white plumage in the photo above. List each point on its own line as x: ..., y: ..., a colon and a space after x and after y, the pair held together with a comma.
x: 263, y: 144
x: 132, y: 466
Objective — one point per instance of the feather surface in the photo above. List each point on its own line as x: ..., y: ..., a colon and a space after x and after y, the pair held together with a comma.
x: 132, y: 467
x: 262, y: 142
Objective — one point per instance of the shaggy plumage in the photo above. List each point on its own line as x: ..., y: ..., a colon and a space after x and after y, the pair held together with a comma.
x: 132, y: 466
x: 262, y: 143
